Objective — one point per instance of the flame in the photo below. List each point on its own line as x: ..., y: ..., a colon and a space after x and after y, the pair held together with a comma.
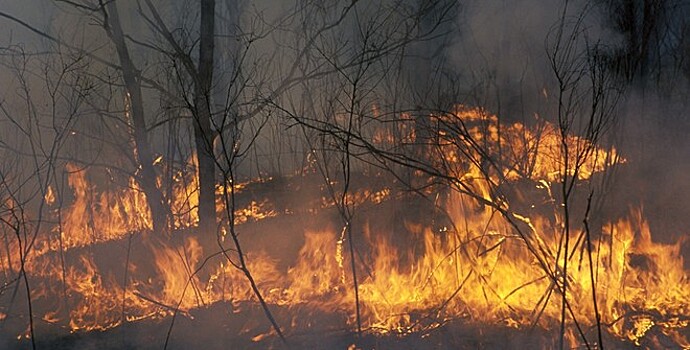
x: 477, y: 265
x: 521, y: 152
x: 99, y: 216
x: 49, y: 197
x: 95, y: 217
x: 484, y: 272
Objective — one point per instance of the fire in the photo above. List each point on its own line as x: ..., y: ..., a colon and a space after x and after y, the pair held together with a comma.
x: 94, y: 217
x: 519, y: 151
x: 650, y: 276
x: 99, y: 216
x: 475, y: 263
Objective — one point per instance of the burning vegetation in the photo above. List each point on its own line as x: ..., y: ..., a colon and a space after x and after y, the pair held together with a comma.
x: 467, y: 258
x: 314, y: 184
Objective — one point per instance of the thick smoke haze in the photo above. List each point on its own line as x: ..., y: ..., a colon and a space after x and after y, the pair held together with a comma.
x: 501, y: 53
x: 301, y: 90
x: 492, y: 54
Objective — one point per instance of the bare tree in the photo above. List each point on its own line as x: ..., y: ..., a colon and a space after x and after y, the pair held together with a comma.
x: 454, y: 154
x: 340, y: 60
x: 52, y: 95
x: 160, y: 210
x: 201, y: 75
x: 587, y: 98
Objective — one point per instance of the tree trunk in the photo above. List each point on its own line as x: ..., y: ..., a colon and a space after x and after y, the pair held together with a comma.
x: 202, y: 120
x: 160, y: 210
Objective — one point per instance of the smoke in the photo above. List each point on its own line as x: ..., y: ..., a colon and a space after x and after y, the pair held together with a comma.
x: 501, y: 52
x: 490, y: 54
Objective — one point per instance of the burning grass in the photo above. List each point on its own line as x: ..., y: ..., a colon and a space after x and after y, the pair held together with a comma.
x: 441, y: 269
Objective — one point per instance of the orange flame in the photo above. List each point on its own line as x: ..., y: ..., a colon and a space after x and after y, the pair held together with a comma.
x: 480, y: 266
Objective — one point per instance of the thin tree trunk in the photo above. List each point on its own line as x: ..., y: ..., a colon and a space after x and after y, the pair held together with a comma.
x: 160, y: 211
x: 202, y: 120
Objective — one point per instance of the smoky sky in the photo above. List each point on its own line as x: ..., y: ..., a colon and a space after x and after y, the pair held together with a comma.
x: 492, y: 54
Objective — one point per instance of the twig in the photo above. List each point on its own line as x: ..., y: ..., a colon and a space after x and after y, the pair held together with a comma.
x: 591, y: 271
x: 172, y: 309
